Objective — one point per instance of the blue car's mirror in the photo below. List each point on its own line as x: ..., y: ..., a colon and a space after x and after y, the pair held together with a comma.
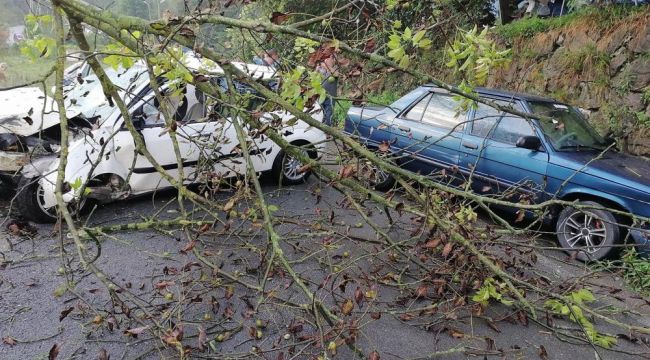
x: 529, y: 142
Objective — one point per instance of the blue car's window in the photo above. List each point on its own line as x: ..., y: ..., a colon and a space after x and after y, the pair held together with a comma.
x: 439, y: 110
x: 417, y: 111
x: 408, y: 99
x: 511, y: 128
x: 486, y: 117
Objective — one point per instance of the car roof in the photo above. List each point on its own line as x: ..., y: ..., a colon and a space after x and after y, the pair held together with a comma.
x: 507, y: 94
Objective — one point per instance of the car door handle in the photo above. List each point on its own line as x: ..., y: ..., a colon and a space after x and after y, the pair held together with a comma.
x: 404, y: 128
x: 470, y: 145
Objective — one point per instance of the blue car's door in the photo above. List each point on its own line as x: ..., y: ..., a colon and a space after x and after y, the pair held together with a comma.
x: 493, y: 164
x: 429, y: 133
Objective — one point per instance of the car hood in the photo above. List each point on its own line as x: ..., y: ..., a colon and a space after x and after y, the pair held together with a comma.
x: 367, y: 111
x: 624, y: 169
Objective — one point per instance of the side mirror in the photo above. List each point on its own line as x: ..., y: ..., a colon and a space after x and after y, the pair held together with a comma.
x: 529, y: 142
x: 138, y: 119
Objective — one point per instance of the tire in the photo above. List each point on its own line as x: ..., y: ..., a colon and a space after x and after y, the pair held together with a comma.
x: 592, y: 232
x: 286, y: 169
x: 378, y: 178
x: 27, y: 202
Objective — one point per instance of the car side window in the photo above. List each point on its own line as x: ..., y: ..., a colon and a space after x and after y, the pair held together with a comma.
x: 417, y: 112
x: 444, y: 111
x: 152, y: 111
x: 486, y: 117
x: 511, y: 128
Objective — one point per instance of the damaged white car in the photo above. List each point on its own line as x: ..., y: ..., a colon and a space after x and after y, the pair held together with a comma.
x: 104, y: 165
x: 29, y: 121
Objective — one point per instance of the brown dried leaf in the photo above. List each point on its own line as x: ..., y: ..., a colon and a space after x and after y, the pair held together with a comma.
x: 384, y: 146
x: 136, y: 331
x: 54, y: 352
x: 65, y: 313
x: 493, y: 326
x: 229, y: 205
x: 189, y: 246
x: 174, y: 337
x: 376, y: 85
x: 432, y: 243
x: 278, y: 18
x: 9, y: 340
x: 163, y: 285
x: 521, y: 213
x: 457, y: 334
x: 370, y: 45
x: 346, y: 171
x: 373, y: 355
x: 103, y: 355
x: 447, y: 249
x: 421, y: 291
x: 347, y: 307
x: 204, y: 228
x: 230, y: 291
x: 542, y: 353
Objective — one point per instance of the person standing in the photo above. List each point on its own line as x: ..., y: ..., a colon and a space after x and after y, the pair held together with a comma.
x: 329, y: 70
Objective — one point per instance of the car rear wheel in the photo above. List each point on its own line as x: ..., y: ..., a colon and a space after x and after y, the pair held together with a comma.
x: 593, y: 233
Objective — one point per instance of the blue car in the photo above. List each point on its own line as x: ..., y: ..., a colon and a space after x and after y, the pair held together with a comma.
x: 498, y: 154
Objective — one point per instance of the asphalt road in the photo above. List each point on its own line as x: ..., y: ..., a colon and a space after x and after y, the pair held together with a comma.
x: 30, y: 274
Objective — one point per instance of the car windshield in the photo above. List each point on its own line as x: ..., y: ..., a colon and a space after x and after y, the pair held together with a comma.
x: 567, y: 129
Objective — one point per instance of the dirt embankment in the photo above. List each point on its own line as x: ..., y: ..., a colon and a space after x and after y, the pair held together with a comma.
x: 602, y: 66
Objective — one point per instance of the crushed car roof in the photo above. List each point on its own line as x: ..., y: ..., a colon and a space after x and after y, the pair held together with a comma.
x: 26, y: 111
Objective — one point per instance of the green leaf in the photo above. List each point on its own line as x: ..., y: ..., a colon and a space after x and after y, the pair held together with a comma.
x: 405, y: 62
x: 407, y: 34
x: 76, y: 184
x: 396, y: 54
x: 60, y: 290
x: 424, y: 44
x: 418, y: 36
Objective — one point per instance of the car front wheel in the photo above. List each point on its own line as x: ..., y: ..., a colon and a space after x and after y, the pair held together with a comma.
x: 30, y: 201
x: 593, y: 233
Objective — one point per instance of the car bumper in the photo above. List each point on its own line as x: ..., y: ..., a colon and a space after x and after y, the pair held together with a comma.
x: 12, y: 162
x: 641, y: 237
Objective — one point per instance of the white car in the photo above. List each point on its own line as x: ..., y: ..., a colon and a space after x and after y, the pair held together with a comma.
x: 107, y: 161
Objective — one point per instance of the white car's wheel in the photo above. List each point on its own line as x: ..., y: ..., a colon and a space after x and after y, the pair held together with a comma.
x: 289, y: 169
x: 30, y: 201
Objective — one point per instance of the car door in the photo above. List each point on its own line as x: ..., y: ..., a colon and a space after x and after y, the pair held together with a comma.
x: 429, y: 133
x: 148, y: 115
x: 491, y: 161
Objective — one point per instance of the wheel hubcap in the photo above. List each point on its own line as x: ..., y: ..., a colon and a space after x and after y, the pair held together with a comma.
x: 292, y: 167
x: 585, y: 231
x: 40, y: 199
